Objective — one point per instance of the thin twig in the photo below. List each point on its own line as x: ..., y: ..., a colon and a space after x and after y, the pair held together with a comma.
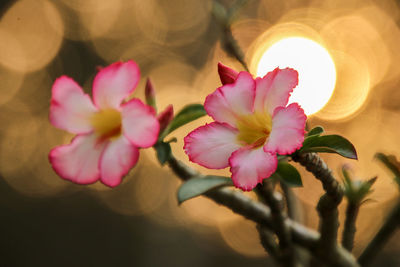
x: 349, y: 230
x: 292, y: 203
x: 386, y: 231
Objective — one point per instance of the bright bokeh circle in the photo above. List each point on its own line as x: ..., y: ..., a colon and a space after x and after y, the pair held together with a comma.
x: 317, y: 73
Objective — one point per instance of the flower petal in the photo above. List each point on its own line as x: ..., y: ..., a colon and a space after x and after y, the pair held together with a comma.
x: 250, y: 166
x: 226, y: 74
x: 211, y: 145
x: 274, y: 89
x: 118, y: 157
x: 232, y: 100
x: 114, y: 83
x: 70, y: 107
x: 139, y: 123
x: 79, y: 160
x: 287, y: 134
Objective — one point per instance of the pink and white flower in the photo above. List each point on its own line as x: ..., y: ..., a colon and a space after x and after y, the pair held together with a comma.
x: 109, y: 130
x: 252, y: 124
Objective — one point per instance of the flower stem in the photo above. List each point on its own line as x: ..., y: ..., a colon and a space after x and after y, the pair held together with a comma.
x: 231, y: 46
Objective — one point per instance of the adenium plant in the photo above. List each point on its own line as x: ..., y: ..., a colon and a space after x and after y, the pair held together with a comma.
x: 255, y: 133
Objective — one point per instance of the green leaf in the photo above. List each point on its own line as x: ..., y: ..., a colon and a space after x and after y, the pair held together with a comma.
x: 329, y: 144
x: 288, y: 174
x: 188, y: 114
x: 355, y: 190
x: 163, y: 152
x: 318, y: 130
x: 197, y: 186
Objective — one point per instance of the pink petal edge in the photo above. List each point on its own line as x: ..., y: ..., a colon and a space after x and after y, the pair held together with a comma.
x: 116, y: 160
x: 139, y: 123
x: 287, y: 134
x: 114, y: 83
x: 70, y: 107
x: 211, y: 145
x: 250, y: 167
x: 78, y: 161
x: 232, y: 100
x: 274, y: 89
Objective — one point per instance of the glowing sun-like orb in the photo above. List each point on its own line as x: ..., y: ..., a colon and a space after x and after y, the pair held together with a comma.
x: 317, y: 73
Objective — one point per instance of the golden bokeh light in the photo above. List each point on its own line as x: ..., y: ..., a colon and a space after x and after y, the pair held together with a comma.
x: 241, y: 236
x: 11, y: 83
x: 177, y: 22
x: 31, y: 34
x: 352, y: 88
x: 135, y: 196
x: 87, y: 19
x: 204, y: 211
x: 36, y: 177
x: 317, y: 73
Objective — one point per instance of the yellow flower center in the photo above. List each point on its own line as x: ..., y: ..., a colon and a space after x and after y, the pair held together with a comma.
x: 107, y: 123
x: 254, y: 129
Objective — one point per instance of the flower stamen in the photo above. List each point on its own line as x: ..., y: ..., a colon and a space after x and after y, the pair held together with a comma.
x: 254, y: 129
x: 107, y: 123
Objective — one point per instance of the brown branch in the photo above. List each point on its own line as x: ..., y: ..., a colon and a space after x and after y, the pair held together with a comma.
x: 349, y: 230
x: 327, y: 205
x: 274, y: 201
x: 261, y: 214
x: 268, y: 242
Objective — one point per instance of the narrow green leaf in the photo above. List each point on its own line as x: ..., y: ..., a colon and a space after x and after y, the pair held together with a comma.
x: 163, y: 152
x: 197, y: 186
x: 288, y: 174
x: 391, y: 163
x: 347, y: 182
x: 329, y: 144
x: 188, y: 114
x: 318, y: 130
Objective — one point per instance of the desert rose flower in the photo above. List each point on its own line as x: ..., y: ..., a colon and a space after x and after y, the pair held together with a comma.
x: 109, y: 130
x: 252, y: 124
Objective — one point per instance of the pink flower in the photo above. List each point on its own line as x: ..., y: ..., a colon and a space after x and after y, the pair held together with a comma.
x: 252, y: 124
x: 109, y: 130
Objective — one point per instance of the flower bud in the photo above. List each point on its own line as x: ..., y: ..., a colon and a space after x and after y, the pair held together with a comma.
x: 150, y: 94
x: 226, y: 74
x: 165, y: 117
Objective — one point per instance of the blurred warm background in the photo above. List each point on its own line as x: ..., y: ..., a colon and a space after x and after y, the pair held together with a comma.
x: 46, y: 221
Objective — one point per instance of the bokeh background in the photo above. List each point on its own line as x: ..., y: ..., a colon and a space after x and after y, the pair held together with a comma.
x: 46, y: 221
